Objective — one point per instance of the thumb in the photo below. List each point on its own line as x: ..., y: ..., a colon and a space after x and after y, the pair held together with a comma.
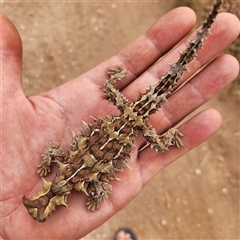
x: 11, y: 59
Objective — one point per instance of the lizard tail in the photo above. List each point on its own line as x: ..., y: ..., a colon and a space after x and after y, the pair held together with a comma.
x: 41, y: 205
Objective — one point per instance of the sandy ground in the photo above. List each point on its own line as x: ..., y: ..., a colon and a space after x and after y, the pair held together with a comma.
x: 196, y: 197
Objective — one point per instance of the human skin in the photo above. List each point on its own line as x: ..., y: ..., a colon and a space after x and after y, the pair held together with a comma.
x: 29, y: 123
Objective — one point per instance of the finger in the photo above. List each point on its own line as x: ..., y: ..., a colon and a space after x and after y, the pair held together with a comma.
x: 143, y: 52
x: 224, y: 31
x: 222, y: 71
x: 196, y: 130
x: 11, y: 57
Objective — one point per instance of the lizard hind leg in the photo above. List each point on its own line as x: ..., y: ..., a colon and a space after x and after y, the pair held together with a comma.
x: 52, y: 153
x: 172, y: 138
x: 161, y: 142
x: 98, y: 192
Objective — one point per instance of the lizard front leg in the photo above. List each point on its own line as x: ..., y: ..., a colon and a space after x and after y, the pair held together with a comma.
x: 116, y: 75
x: 52, y: 153
x: 161, y: 142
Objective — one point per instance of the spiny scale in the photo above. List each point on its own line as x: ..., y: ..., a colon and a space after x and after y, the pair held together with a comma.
x: 102, y: 149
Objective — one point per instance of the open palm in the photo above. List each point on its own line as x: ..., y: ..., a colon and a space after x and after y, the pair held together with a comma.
x: 30, y: 123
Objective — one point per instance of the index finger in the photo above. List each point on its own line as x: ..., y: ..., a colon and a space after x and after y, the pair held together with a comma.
x: 137, y: 56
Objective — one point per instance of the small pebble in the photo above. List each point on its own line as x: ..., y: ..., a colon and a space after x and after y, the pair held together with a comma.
x: 198, y: 171
x: 62, y: 76
x: 224, y: 190
x: 210, y: 211
x: 22, y: 27
x: 41, y: 60
x: 198, y: 225
x: 178, y: 219
x: 164, y: 222
x: 113, y: 5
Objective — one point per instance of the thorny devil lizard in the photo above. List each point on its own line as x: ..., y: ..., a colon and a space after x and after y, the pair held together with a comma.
x: 102, y: 148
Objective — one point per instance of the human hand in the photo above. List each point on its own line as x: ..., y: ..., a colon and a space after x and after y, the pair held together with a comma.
x: 30, y: 123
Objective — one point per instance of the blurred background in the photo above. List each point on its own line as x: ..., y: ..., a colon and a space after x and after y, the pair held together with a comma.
x: 196, y: 197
